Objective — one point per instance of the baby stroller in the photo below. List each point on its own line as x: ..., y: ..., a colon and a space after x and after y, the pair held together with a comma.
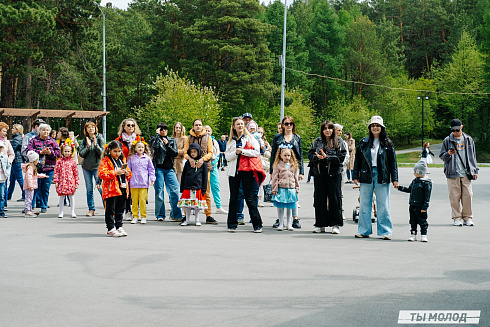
x: 355, y: 212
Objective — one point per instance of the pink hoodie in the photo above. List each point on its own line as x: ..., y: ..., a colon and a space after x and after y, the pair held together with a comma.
x: 30, y: 181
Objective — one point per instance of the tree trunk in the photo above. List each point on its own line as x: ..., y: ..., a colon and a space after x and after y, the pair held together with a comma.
x: 28, y: 102
x: 7, y: 89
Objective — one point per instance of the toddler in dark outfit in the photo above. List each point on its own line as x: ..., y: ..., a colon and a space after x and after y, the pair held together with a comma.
x: 419, y: 190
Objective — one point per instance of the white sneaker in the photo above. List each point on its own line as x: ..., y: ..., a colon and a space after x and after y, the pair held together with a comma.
x: 114, y: 232
x: 424, y: 238
x: 73, y: 215
x: 221, y: 211
x: 128, y: 216
x: 290, y: 228
x: 184, y: 223
x: 60, y: 215
x: 469, y: 222
x: 335, y: 230
x: 261, y: 204
x: 122, y: 231
x: 319, y: 230
x: 30, y: 214
x: 134, y: 220
x: 458, y: 222
x: 143, y: 220
x: 198, y: 223
x: 280, y: 228
x: 412, y: 238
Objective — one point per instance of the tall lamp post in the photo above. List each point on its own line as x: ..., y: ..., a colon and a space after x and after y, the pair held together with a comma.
x: 104, y: 95
x: 423, y: 98
x: 282, y: 60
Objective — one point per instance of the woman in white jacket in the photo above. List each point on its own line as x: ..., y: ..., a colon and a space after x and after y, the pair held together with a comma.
x: 245, y: 167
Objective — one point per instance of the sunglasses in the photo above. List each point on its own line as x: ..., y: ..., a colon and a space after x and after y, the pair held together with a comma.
x: 455, y: 130
x: 129, y: 125
x: 288, y: 124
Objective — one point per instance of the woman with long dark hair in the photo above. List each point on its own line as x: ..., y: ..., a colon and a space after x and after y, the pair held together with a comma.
x: 327, y: 153
x: 374, y: 168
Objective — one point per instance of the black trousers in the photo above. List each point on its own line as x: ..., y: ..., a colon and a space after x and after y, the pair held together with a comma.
x: 328, y: 200
x: 418, y: 218
x: 247, y: 180
x: 114, y: 210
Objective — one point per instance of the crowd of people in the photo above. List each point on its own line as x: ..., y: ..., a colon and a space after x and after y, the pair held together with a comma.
x: 188, y: 165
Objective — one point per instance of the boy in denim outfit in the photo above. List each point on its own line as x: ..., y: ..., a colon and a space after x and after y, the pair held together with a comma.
x: 419, y: 190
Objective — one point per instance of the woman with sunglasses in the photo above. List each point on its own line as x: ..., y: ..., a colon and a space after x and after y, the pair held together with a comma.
x: 128, y: 133
x: 374, y: 168
x: 289, y: 137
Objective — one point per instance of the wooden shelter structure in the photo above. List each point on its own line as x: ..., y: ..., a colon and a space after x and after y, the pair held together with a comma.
x: 29, y: 115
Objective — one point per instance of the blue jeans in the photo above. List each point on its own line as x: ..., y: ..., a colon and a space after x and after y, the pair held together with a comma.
x: 3, y: 199
x: 90, y: 176
x: 42, y: 192
x: 385, y: 226
x: 214, y: 183
x: 169, y: 178
x: 349, y: 174
x: 15, y: 176
x: 241, y: 199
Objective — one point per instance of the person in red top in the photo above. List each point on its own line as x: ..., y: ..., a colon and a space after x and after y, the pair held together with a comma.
x: 128, y: 133
x: 115, y: 176
x: 66, y: 178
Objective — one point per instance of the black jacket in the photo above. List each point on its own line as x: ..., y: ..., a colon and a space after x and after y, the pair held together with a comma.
x: 194, y: 178
x: 332, y: 164
x: 297, y: 149
x: 386, y: 163
x: 419, y: 190
x: 17, y: 146
x: 162, y: 152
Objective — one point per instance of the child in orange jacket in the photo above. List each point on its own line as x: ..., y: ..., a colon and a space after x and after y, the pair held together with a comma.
x: 115, y: 175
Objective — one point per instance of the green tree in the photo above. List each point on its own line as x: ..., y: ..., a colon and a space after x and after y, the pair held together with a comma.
x: 324, y: 40
x: 178, y: 99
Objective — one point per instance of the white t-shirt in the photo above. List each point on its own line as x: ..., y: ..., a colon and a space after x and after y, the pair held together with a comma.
x: 374, y: 152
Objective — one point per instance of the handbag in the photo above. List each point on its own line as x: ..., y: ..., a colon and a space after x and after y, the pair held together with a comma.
x: 267, y: 192
x: 467, y: 170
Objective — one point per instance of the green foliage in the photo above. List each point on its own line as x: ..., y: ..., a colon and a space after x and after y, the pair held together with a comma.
x: 353, y: 115
x: 178, y: 99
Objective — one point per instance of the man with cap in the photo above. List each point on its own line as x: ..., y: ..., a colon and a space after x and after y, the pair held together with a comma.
x: 29, y: 136
x: 460, y: 167
x: 247, y: 117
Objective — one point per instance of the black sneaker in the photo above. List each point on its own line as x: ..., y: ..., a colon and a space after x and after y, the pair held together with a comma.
x: 211, y: 220
x: 276, y: 224
x: 21, y: 200
x: 296, y: 223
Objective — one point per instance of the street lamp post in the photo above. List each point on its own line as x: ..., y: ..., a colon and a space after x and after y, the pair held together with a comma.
x: 423, y: 98
x: 283, y: 60
x: 104, y: 95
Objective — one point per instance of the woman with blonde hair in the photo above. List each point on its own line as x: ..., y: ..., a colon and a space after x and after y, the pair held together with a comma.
x: 128, y: 133
x: 244, y: 166
x: 178, y: 134
x: 91, y: 150
x: 16, y: 171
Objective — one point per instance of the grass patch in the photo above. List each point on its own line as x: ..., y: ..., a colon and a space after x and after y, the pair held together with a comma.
x: 411, y: 165
x: 411, y: 157
x: 415, y: 144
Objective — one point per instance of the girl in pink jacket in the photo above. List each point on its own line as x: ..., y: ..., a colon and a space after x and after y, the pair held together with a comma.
x: 66, y: 179
x: 30, y: 182
x: 285, y: 185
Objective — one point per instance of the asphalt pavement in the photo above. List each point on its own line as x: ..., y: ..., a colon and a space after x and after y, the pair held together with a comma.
x: 58, y: 272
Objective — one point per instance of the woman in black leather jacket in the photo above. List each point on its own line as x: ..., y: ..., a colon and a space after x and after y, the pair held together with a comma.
x: 374, y: 168
x: 288, y: 136
x: 327, y: 153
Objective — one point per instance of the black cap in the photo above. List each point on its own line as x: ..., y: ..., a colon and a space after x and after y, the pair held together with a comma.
x: 247, y: 114
x: 38, y: 122
x: 456, y: 123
